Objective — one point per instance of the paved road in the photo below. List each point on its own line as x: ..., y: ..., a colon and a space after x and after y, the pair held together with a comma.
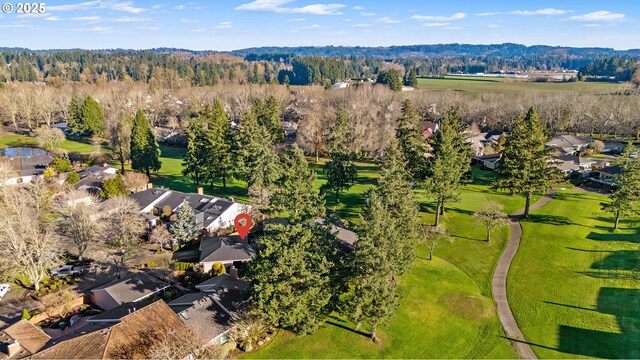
x: 499, y: 283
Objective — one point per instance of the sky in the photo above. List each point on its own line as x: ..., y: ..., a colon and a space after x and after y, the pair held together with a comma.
x: 235, y: 24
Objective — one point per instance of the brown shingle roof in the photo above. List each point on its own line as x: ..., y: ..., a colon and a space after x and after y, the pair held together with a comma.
x: 30, y: 337
x: 130, y: 338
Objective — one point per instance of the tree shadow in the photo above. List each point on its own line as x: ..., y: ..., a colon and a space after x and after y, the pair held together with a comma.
x: 619, y: 260
x: 633, y: 238
x: 549, y: 219
x: 348, y: 329
x: 468, y: 238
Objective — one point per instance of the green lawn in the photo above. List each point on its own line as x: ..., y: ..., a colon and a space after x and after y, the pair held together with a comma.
x: 574, y: 286
x: 446, y: 310
x: 477, y: 85
x: 70, y: 145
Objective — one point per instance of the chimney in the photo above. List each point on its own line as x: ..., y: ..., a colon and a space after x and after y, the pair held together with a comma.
x: 233, y: 272
x: 13, y: 348
x: 149, y: 186
x: 200, y: 191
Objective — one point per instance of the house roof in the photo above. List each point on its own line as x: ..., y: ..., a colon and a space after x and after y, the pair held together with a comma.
x: 489, y: 158
x: 132, y: 287
x: 116, y: 314
x: 147, y: 197
x: 29, y: 336
x: 202, y: 314
x: 122, y: 340
x: 611, y: 170
x: 348, y: 237
x: 207, y: 208
x: 569, y: 142
x: 93, y: 177
x: 225, y: 249
x: 224, y: 281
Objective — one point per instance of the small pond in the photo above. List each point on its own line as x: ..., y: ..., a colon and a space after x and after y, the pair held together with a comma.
x: 23, y: 151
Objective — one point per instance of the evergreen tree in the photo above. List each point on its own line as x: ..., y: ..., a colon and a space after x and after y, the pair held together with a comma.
x: 411, y: 79
x: 75, y: 121
x: 92, y: 116
x: 527, y: 166
x: 627, y: 183
x: 294, y: 190
x: 219, y: 154
x: 395, y: 191
x: 195, y: 163
x: 449, y: 162
x: 185, y: 227
x: 268, y: 116
x: 113, y: 187
x: 391, y: 78
x: 371, y: 295
x: 411, y: 141
x: 145, y: 151
x: 292, y: 294
x: 341, y: 171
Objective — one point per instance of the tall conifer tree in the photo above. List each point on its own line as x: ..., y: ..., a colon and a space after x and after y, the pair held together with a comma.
x: 145, y: 151
x: 411, y: 141
x: 627, y: 185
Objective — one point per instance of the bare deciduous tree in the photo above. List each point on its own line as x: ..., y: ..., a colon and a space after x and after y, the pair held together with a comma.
x: 491, y: 216
x: 78, y: 221
x: 135, y: 181
x: 432, y: 235
x: 49, y: 138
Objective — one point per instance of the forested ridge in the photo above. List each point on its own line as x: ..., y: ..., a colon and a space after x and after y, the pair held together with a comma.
x: 170, y: 67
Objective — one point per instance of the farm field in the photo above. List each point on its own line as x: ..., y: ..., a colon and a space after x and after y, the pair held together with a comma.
x: 477, y: 85
x: 574, y: 286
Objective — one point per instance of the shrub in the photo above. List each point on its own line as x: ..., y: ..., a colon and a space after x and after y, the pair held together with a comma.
x: 73, y: 178
x: 218, y: 269
x: 61, y: 165
x: 20, y: 180
x: 53, y: 287
x: 49, y: 172
x: 25, y: 314
x: 183, y: 266
x: 175, y: 247
x: 113, y: 187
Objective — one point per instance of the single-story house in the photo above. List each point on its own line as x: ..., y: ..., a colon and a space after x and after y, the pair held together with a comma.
x: 91, y: 178
x: 130, y: 337
x: 21, y: 340
x: 430, y: 128
x: 131, y: 288
x: 612, y: 147
x: 26, y: 163
x: 212, y: 213
x: 607, y: 174
x: 573, y: 163
x: 224, y: 282
x: 340, y: 85
x: 204, y: 315
x: 228, y: 250
x: 346, y: 238
x: 569, y: 144
x: 490, y: 162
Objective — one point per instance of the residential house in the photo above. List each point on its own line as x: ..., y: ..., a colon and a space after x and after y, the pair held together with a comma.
x: 205, y: 315
x: 569, y: 144
x: 91, y: 178
x: 228, y: 250
x: 131, y: 288
x: 346, y: 238
x: 430, y: 128
x: 573, y: 163
x: 26, y: 163
x: 131, y: 336
x: 340, y: 85
x: 212, y: 213
x: 608, y: 174
x: 224, y: 282
x: 490, y: 162
x: 21, y: 340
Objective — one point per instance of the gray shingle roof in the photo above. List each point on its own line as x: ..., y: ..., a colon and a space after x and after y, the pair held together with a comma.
x: 201, y: 313
x: 146, y: 197
x: 225, y: 249
x: 132, y: 287
x: 224, y: 281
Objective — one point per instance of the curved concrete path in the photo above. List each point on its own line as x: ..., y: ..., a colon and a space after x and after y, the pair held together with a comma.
x: 499, y: 283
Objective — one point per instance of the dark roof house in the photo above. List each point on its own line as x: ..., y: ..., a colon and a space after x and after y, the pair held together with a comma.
x: 131, y: 288
x: 222, y: 282
x: 204, y: 315
x: 224, y: 249
x: 91, y: 178
x: 21, y: 340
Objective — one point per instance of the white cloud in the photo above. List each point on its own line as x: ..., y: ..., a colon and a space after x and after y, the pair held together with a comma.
x: 312, y: 27
x: 189, y: 21
x: 157, y: 6
x: 152, y: 28
x: 387, y: 20
x: 124, y: 6
x: 488, y: 13
x: 456, y: 16
x: 178, y: 7
x: 358, y: 8
x: 367, y: 14
x: 224, y: 25
x: 297, y: 20
x: 99, y: 29
x: 593, y: 25
x: 437, y: 24
x: 547, y: 11
x: 601, y: 15
x: 492, y: 26
x: 361, y: 25
x: 276, y: 6
x: 85, y: 18
x: 452, y: 27
x: 12, y: 26
x: 129, y: 19
x: 52, y: 18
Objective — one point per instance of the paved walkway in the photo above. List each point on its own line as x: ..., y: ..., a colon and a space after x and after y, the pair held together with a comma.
x: 499, y: 283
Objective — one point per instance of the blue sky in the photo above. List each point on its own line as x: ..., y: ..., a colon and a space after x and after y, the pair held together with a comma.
x: 235, y: 24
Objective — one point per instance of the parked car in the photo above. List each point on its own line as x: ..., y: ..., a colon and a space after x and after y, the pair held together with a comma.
x: 4, y: 289
x: 68, y: 270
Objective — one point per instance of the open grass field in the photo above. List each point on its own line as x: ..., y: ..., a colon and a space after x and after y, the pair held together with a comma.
x: 574, y: 286
x: 479, y: 85
x: 70, y: 145
x: 446, y: 310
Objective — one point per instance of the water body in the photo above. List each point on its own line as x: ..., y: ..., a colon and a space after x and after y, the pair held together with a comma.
x: 23, y: 151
